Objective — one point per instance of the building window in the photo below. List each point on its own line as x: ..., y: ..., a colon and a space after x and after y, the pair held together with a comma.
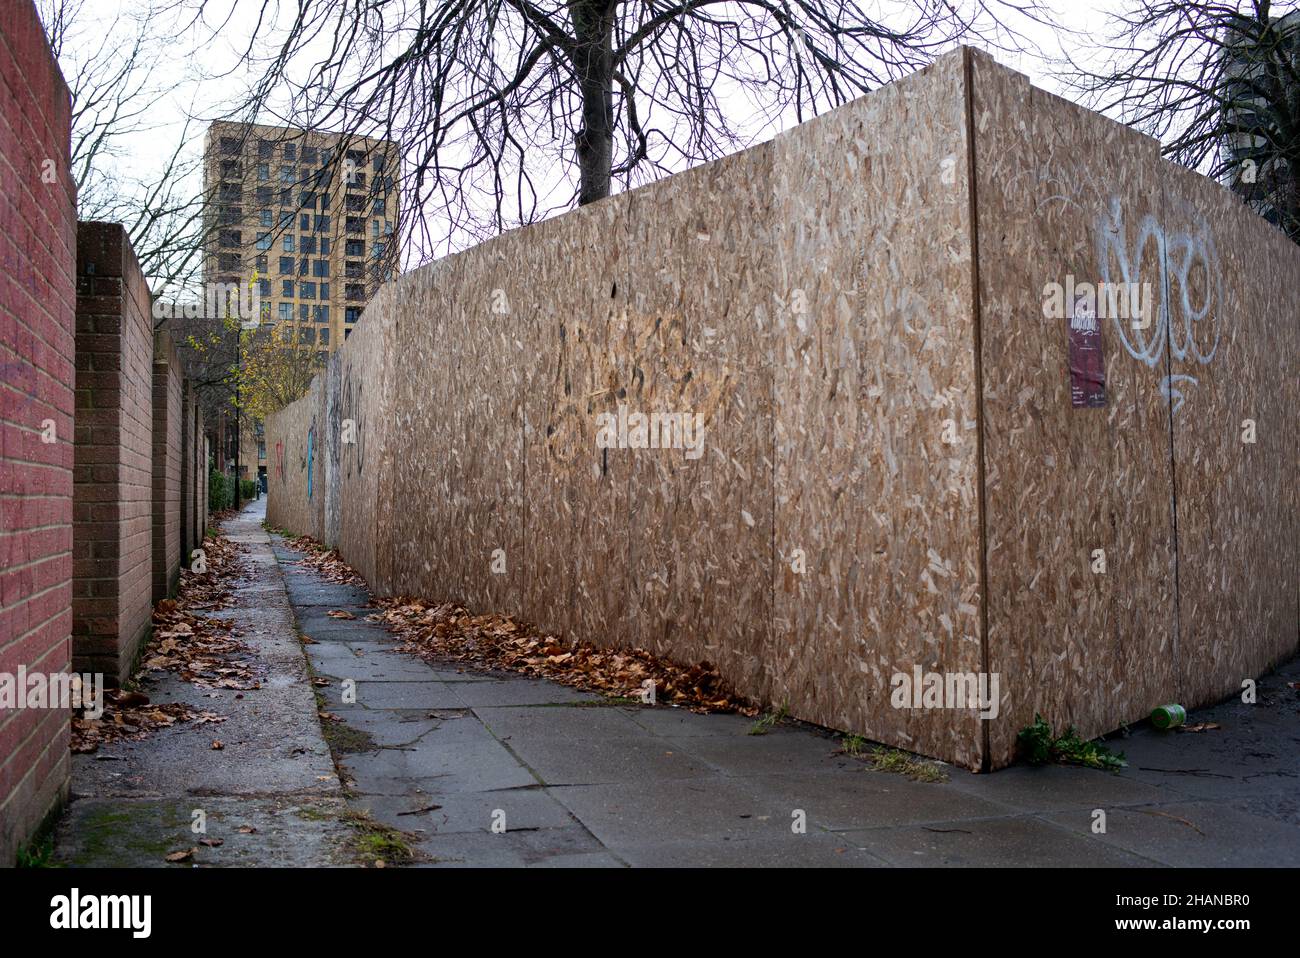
x: 309, y: 154
x: 228, y: 238
x: 379, y: 250
x: 229, y: 192
x: 356, y: 224
x: 286, y: 265
x: 263, y: 240
x: 306, y: 201
x: 286, y: 197
x: 325, y: 336
x: 287, y: 242
x: 354, y: 248
x: 379, y: 161
x: 230, y: 170
x: 325, y: 293
x: 379, y: 208
x: 304, y: 312
x: 263, y: 172
x: 355, y: 204
x: 306, y: 290
x: 265, y: 218
x: 324, y: 202
x: 286, y: 288
x: 324, y: 245
x: 286, y: 312
x: 291, y: 151
x: 229, y: 262
x: 320, y: 314
x: 261, y: 264
x: 302, y: 265
x: 265, y: 195
x: 307, y: 244
x: 354, y: 291
x: 263, y: 149
x: 374, y: 229
x: 320, y: 268
x: 322, y: 224
x: 264, y: 289
x: 347, y: 332
x: 230, y: 145
x: 287, y: 174
x: 286, y: 220
x: 307, y: 335
x: 304, y: 222
x: 354, y: 270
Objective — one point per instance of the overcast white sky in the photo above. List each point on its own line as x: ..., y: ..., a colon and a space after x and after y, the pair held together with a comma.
x: 206, y: 85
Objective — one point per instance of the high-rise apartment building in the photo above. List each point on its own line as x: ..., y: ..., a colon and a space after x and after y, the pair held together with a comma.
x: 309, y: 218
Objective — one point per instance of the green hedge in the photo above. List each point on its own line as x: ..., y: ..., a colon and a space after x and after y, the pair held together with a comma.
x: 248, y: 488
x: 220, y: 491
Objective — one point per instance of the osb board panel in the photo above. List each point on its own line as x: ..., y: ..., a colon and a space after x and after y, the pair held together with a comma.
x: 1064, y: 192
x: 1237, y: 336
x: 362, y: 424
x: 653, y: 547
x: 875, y: 434
x: 293, y: 449
x: 678, y: 298
x: 456, y: 463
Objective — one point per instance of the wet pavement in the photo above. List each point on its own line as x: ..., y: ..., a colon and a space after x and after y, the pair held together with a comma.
x: 490, y: 769
x: 496, y: 769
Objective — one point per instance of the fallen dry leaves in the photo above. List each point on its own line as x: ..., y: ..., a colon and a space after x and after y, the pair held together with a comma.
x: 129, y: 716
x: 449, y: 631
x: 199, y: 648
x: 500, y: 642
x: 327, y: 563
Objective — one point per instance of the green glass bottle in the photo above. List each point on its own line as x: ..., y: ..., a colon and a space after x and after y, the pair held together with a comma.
x: 1168, y: 716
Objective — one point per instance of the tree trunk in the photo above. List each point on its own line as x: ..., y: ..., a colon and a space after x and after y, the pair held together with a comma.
x: 593, y: 62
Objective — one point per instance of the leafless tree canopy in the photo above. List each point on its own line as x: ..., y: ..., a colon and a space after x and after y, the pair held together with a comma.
x: 1218, y: 84
x: 508, y: 110
x: 112, y: 67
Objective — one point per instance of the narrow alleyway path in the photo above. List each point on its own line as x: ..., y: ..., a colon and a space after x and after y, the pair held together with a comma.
x: 487, y: 769
x: 498, y: 769
x: 268, y: 796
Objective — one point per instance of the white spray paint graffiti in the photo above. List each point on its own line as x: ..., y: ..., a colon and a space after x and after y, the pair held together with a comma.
x: 1178, y: 255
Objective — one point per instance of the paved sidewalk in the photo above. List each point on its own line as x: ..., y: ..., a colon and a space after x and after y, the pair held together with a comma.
x: 133, y: 802
x: 448, y: 754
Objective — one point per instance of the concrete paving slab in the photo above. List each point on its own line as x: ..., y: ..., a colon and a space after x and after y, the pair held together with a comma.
x: 519, y: 808
x: 1022, y: 841
x: 849, y: 799
x: 797, y: 851
x: 703, y: 810
x: 1197, y: 833
x: 1048, y: 788
x: 517, y: 848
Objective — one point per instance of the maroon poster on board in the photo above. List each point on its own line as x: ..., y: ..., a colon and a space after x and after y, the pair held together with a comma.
x: 1087, y: 357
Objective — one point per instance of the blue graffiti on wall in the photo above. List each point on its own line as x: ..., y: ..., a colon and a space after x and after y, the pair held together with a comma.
x: 311, y: 442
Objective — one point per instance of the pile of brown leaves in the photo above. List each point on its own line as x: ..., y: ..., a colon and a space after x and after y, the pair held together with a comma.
x: 449, y: 631
x: 130, y: 715
x: 327, y: 563
x: 210, y: 590
x: 199, y: 648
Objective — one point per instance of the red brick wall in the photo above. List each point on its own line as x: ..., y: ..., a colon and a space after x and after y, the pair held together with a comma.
x: 37, y: 238
x: 167, y: 455
x: 113, y: 463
